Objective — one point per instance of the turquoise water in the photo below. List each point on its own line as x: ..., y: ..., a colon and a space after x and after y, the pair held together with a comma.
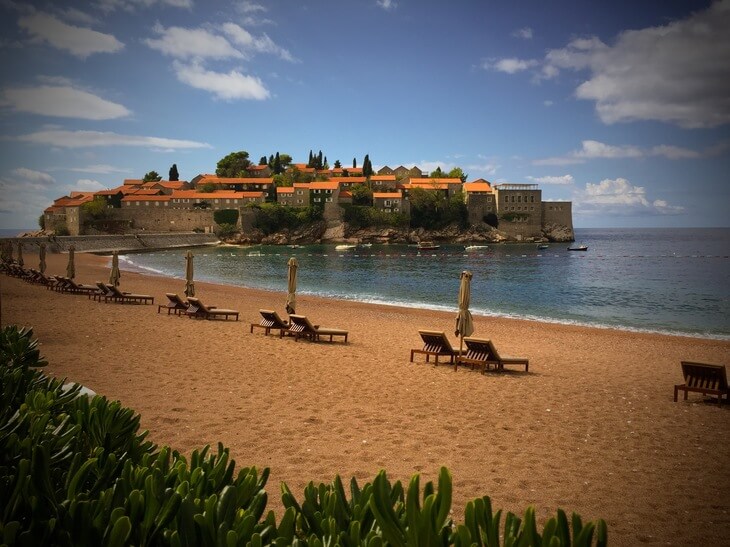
x: 658, y: 280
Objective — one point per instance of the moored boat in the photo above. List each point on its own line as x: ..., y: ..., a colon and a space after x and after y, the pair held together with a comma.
x: 344, y: 247
x: 427, y: 246
x: 542, y: 246
x: 578, y: 248
x: 476, y: 247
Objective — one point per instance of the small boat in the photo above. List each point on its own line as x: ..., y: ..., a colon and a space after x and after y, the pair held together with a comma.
x: 543, y: 246
x: 344, y: 247
x: 578, y: 248
x: 476, y: 247
x: 427, y: 246
x: 365, y: 245
x: 255, y: 253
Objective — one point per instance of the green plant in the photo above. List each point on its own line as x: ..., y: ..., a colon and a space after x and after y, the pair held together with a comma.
x: 226, y: 216
x: 226, y: 230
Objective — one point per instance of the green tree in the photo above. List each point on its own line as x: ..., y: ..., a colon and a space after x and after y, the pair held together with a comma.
x: 95, y: 208
x: 437, y: 174
x: 152, y: 176
x: 277, y: 164
x: 367, y: 167
x: 361, y: 195
x: 207, y: 188
x: 310, y: 163
x: 42, y: 221
x: 285, y: 160
x: 354, y: 163
x: 233, y: 165
x: 263, y: 161
x: 338, y: 165
x: 173, y: 175
x: 457, y: 173
x: 319, y: 160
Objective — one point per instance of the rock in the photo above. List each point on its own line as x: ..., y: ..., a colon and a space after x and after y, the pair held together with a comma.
x: 558, y: 233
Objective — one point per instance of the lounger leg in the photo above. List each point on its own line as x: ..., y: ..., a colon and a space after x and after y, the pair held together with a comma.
x: 676, y: 392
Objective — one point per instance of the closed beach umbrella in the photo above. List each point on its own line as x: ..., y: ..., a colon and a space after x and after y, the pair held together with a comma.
x: 42, y: 258
x: 20, y: 254
x: 115, y: 274
x: 464, y: 322
x: 189, y: 285
x: 71, y: 268
x: 291, y: 297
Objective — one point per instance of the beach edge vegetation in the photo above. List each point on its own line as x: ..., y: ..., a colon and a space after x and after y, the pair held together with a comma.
x: 76, y: 470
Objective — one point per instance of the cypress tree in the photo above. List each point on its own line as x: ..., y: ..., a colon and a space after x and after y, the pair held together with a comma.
x: 354, y: 163
x: 174, y: 175
x: 277, y: 164
x: 319, y: 160
x: 309, y: 163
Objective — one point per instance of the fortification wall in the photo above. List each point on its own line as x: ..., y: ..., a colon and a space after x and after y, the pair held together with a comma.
x: 158, y: 219
x: 109, y: 243
x: 558, y: 212
x: 478, y: 207
x: 522, y: 229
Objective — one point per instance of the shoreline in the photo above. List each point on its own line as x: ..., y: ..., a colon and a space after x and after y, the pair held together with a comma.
x: 592, y: 428
x: 143, y: 270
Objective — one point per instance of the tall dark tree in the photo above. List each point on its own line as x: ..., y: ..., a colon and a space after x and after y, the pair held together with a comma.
x: 326, y: 165
x: 174, y: 175
x: 263, y: 161
x: 311, y: 160
x: 277, y: 164
x: 319, y: 160
x: 338, y: 165
x: 367, y: 167
x: 354, y: 163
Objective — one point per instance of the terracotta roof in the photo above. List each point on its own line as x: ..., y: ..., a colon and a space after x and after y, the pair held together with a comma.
x: 477, y: 187
x: 324, y: 185
x: 212, y: 179
x: 285, y: 190
x: 135, y: 182
x: 172, y: 184
x: 112, y: 192
x: 351, y: 180
x: 145, y: 192
x: 428, y: 180
x: 382, y: 178
x: 221, y: 194
x: 387, y: 195
x: 137, y: 197
x: 258, y: 167
x: 301, y: 185
x: 427, y: 186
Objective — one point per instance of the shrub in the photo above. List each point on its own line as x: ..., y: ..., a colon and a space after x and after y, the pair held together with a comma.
x: 226, y: 216
x: 272, y: 217
x: 358, y: 216
x: 226, y: 230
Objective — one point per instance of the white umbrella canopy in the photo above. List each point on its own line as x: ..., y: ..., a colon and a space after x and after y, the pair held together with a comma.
x: 464, y: 322
x: 291, y: 297
x: 189, y: 284
x: 115, y: 275
x: 42, y: 258
x: 71, y: 268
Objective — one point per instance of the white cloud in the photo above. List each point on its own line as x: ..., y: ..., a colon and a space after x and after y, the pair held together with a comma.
x: 77, y: 16
x: 387, y: 5
x: 36, y: 177
x: 678, y: 73
x: 83, y: 185
x: 263, y: 44
x: 227, y: 86
x: 84, y: 139
x: 510, y: 66
x: 547, y: 103
x: 79, y: 41
x: 101, y: 169
x: 132, y: 5
x: 524, y: 33
x: 61, y: 101
x: 619, y: 197
x: 597, y: 150
x: 563, y: 179
x: 187, y: 43
x: 249, y: 7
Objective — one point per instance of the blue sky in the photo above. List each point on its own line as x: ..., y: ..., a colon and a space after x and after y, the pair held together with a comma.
x: 621, y: 107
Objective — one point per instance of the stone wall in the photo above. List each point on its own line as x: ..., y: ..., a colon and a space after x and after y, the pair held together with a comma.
x: 158, y: 219
x: 109, y: 243
x: 558, y: 212
x: 478, y: 206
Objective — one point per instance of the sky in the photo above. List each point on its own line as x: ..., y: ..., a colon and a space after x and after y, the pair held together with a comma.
x: 622, y: 108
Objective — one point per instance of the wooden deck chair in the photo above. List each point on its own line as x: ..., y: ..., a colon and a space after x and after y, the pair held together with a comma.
x: 436, y: 344
x: 270, y: 320
x: 78, y: 288
x: 703, y: 378
x: 128, y: 298
x: 197, y: 309
x: 174, y: 304
x: 301, y: 327
x: 484, y: 354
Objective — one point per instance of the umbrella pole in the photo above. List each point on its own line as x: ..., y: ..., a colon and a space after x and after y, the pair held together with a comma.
x: 461, y: 346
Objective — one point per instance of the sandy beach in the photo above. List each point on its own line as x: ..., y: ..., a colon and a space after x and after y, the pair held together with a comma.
x: 592, y: 427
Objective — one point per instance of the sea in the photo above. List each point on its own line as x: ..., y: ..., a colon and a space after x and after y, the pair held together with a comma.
x: 673, y: 281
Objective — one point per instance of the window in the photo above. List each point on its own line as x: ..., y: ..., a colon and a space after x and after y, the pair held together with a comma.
x: 395, y: 209
x: 228, y: 201
x: 532, y: 199
x: 157, y: 203
x: 489, y: 199
x: 519, y: 199
x: 328, y: 200
x: 386, y: 203
x: 299, y: 192
x: 300, y: 201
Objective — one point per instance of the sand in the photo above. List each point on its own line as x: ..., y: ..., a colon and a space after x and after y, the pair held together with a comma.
x: 592, y: 427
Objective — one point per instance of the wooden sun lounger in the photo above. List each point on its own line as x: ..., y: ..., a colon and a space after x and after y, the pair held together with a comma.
x: 270, y: 320
x: 301, y: 327
x: 482, y: 353
x: 703, y: 378
x: 127, y: 298
x: 197, y: 309
x: 174, y: 304
x: 436, y: 344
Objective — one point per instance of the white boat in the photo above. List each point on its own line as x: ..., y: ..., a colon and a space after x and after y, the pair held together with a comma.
x: 427, y: 246
x: 578, y: 248
x: 476, y: 247
x: 344, y: 247
x: 255, y: 253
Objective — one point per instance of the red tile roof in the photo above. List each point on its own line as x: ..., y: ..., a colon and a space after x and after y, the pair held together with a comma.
x: 137, y: 197
x: 387, y: 195
x: 212, y: 179
x: 477, y: 187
